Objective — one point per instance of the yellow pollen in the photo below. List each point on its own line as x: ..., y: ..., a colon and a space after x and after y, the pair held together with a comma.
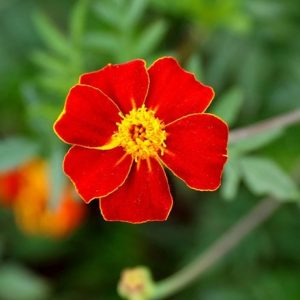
x: 141, y: 134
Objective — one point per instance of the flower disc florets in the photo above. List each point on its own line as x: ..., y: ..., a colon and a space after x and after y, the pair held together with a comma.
x: 141, y: 134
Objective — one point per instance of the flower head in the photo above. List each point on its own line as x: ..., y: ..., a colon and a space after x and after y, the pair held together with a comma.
x: 126, y: 123
x: 136, y: 284
x: 27, y: 189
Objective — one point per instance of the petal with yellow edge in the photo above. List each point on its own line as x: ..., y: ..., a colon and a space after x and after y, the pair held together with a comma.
x: 96, y: 173
x: 174, y: 93
x: 197, y: 150
x: 127, y: 84
x: 145, y: 196
x: 88, y: 119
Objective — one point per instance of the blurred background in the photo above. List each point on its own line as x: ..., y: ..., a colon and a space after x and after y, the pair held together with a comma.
x: 54, y: 247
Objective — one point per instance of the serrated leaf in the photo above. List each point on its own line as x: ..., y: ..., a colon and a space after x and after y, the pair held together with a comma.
x: 256, y: 141
x: 108, y: 13
x: 16, y: 151
x: 48, y: 62
x: 134, y: 12
x: 264, y: 177
x: 194, y: 65
x: 52, y: 37
x: 18, y: 283
x: 231, y: 180
x: 150, y: 38
x: 102, y: 40
x: 228, y: 105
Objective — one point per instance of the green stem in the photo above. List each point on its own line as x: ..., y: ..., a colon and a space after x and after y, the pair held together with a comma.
x: 261, y: 212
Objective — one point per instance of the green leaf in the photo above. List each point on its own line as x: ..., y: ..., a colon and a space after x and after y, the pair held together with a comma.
x: 134, y: 12
x: 57, y: 177
x: 228, y: 105
x: 194, y: 65
x: 15, y: 151
x: 53, y: 38
x: 102, y: 40
x: 108, y: 12
x: 49, y: 62
x: 18, y: 283
x: 256, y: 141
x: 150, y: 38
x: 231, y: 180
x: 77, y: 21
x: 264, y: 177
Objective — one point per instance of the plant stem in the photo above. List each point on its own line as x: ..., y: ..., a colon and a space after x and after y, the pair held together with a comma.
x: 261, y: 212
x: 281, y: 121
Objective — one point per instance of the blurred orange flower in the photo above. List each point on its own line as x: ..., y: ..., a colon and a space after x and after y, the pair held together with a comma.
x: 27, y: 190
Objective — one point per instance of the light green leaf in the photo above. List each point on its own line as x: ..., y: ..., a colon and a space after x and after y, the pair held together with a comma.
x: 256, y: 141
x: 18, y: 283
x: 102, y: 40
x: 15, y: 151
x: 57, y: 177
x: 194, y: 65
x: 49, y: 62
x: 150, y: 38
x: 134, y: 12
x: 52, y: 37
x: 109, y: 13
x: 264, y: 177
x: 228, y: 105
x: 77, y: 21
x: 231, y: 180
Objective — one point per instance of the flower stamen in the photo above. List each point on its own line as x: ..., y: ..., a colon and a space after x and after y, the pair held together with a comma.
x: 141, y: 134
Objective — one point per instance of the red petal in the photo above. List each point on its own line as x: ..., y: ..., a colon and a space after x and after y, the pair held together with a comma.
x: 96, y: 173
x: 196, y: 150
x: 145, y: 196
x: 127, y: 84
x: 175, y: 93
x: 88, y: 119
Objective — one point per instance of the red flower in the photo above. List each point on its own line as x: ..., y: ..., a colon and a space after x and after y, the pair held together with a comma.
x: 125, y: 123
x: 27, y: 190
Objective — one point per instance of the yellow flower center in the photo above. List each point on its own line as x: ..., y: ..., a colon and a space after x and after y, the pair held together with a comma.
x: 141, y: 134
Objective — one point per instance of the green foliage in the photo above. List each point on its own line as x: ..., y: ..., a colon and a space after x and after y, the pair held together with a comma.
x: 210, y: 14
x: 15, y: 151
x: 264, y: 177
x: 232, y: 179
x: 228, y: 105
x: 119, y: 36
x: 249, y: 53
x: 256, y: 141
x: 18, y: 283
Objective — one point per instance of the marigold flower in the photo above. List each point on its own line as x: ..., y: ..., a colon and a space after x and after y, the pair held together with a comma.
x: 9, y: 185
x: 27, y: 189
x: 125, y: 123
